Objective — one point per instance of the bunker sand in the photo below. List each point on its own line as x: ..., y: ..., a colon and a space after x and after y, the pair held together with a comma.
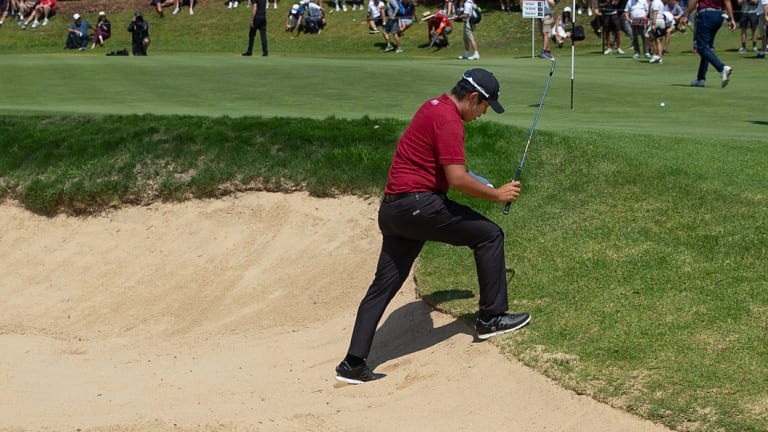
x: 230, y: 315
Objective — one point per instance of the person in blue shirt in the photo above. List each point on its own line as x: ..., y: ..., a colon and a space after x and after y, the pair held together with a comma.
x: 77, y: 33
x: 294, y: 20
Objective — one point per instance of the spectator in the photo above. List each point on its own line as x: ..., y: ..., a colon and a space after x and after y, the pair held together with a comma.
x: 77, y: 34
x: 624, y: 24
x: 341, y: 5
x: 610, y: 24
x: 190, y: 3
x: 561, y: 25
x: 678, y: 13
x: 258, y: 23
x: 375, y: 16
x: 391, y: 31
x: 44, y: 9
x: 582, y: 4
x: 636, y: 12
x: 658, y: 29
x: 295, y: 18
x: 406, y: 21
x: 749, y: 20
x: 669, y: 22
x: 467, y: 15
x: 505, y: 5
x: 450, y: 8
x: 545, y: 28
x: 139, y: 30
x: 23, y: 8
x: 438, y: 28
x: 103, y: 30
x: 233, y: 4
x: 315, y: 21
x: 5, y: 8
x: 762, y: 20
x: 709, y: 19
x: 160, y: 4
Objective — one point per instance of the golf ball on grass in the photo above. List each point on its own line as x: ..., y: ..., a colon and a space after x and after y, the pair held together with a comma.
x: 662, y: 104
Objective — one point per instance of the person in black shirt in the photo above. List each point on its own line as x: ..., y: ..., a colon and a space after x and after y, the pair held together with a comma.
x: 258, y: 23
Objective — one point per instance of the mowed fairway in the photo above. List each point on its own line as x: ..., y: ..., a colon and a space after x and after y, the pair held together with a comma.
x: 610, y: 93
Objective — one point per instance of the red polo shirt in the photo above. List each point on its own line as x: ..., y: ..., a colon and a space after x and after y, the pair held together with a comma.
x: 434, y: 138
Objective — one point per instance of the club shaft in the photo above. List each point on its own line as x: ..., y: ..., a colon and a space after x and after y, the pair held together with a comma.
x: 530, y: 134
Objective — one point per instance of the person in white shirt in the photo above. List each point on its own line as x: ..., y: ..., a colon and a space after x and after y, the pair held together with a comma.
x: 636, y: 12
x: 467, y: 13
x: 762, y: 20
x: 658, y: 30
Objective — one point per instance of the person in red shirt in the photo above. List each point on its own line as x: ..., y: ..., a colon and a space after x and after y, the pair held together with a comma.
x: 429, y: 160
x: 45, y: 9
x: 438, y: 29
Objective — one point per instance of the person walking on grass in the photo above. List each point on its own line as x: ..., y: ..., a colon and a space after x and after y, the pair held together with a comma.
x: 258, y: 23
x: 709, y: 18
x: 429, y: 159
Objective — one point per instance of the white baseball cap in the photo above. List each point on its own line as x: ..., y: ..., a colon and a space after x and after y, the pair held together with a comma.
x: 102, y: 13
x: 76, y: 17
x: 294, y: 8
x: 567, y: 9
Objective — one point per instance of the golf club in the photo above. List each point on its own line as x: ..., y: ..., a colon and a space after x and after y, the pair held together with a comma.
x: 533, y: 128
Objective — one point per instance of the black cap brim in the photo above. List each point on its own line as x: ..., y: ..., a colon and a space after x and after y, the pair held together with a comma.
x: 496, y: 106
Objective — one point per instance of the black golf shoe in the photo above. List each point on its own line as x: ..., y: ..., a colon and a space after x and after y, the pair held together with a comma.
x: 355, y: 375
x: 504, y: 323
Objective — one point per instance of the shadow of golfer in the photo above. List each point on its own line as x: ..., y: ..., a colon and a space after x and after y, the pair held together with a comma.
x: 410, y: 329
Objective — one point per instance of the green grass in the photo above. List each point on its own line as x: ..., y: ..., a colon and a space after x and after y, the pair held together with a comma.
x: 638, y: 244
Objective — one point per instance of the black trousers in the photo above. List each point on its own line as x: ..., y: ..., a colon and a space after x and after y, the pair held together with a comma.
x: 406, y: 224
x: 260, y: 25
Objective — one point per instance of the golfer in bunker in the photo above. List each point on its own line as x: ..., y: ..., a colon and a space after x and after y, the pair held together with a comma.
x: 429, y: 159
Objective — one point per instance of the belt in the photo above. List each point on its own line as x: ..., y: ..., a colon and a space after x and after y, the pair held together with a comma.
x: 710, y: 10
x: 390, y: 198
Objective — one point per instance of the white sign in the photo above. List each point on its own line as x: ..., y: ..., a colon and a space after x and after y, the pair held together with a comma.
x: 533, y: 9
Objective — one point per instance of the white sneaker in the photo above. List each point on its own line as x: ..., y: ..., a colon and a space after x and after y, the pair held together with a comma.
x: 619, y: 50
x: 475, y: 57
x: 344, y: 8
x: 726, y: 75
x: 35, y: 24
x: 175, y: 11
x: 337, y: 7
x: 579, y: 11
x: 654, y: 59
x: 229, y: 5
x: 742, y: 50
x: 589, y: 11
x: 191, y: 12
x: 45, y: 22
x: 235, y: 4
x: 608, y: 51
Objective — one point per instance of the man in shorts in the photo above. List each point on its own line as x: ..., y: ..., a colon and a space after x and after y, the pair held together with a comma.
x: 467, y: 11
x: 391, y: 26
x: 545, y: 28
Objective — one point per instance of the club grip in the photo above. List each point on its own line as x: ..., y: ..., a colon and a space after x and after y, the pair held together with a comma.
x: 517, y: 177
